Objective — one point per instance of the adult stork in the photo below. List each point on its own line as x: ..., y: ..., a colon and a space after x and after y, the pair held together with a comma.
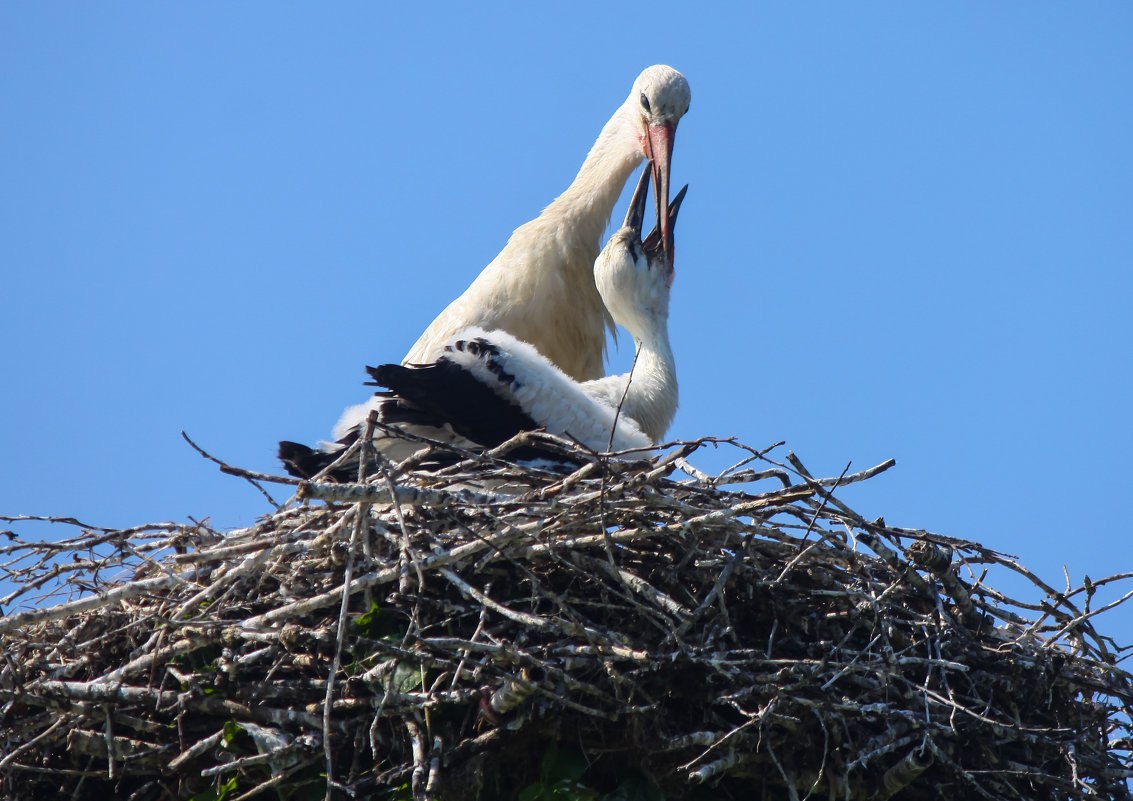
x: 487, y: 386
x: 540, y: 288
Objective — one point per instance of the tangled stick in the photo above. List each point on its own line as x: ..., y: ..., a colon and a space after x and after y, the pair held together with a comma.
x: 440, y: 630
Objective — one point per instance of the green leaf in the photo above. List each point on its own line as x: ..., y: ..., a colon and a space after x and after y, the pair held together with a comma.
x: 560, y: 774
x: 402, y: 792
x: 562, y: 764
x: 405, y: 678
x: 229, y: 786
x: 566, y: 790
x: 217, y: 794
x: 366, y: 623
x: 309, y: 790
x: 231, y: 729
x: 635, y: 788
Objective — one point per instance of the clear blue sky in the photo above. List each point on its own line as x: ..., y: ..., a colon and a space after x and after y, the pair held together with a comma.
x: 909, y: 234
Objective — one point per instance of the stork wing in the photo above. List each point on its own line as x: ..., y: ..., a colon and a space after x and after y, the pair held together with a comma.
x: 445, y: 392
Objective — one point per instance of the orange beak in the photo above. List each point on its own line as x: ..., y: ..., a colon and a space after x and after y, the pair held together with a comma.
x: 659, y: 150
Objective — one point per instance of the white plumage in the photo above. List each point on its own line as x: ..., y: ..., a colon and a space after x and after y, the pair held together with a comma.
x: 635, y: 279
x: 520, y: 375
x: 486, y: 386
x: 540, y: 288
x: 527, y: 391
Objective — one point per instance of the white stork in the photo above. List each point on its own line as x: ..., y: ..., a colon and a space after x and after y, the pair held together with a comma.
x: 540, y: 288
x: 487, y: 386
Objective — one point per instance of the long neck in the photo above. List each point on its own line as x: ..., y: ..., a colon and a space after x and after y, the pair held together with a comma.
x: 548, y: 263
x: 590, y: 198
x: 651, y: 400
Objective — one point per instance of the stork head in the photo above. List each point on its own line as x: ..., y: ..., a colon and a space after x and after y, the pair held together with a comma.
x: 660, y: 97
x: 634, y: 274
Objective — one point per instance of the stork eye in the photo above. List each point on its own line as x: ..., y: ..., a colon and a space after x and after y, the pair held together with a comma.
x: 645, y: 103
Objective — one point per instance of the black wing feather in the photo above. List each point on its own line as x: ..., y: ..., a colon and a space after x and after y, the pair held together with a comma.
x: 447, y: 392
x: 303, y: 462
x: 434, y: 395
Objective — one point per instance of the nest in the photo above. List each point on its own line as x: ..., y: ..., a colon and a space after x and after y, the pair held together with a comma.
x: 494, y: 631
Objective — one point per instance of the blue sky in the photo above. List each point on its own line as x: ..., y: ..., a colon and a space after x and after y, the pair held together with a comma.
x: 909, y: 234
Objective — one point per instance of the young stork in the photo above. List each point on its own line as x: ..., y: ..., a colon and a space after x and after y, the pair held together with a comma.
x: 540, y: 288
x: 487, y: 386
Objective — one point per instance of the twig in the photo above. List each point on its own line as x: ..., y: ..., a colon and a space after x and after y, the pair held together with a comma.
x: 250, y: 476
x: 774, y: 634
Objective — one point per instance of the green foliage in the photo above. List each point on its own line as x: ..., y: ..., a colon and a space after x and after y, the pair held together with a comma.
x: 231, y: 729
x: 312, y: 790
x: 561, y: 774
x: 562, y: 765
x: 374, y: 625
x: 406, y: 678
x: 562, y: 790
x: 635, y: 788
x: 378, y: 625
x: 403, y: 792
x: 368, y: 623
x: 218, y: 793
x: 200, y: 662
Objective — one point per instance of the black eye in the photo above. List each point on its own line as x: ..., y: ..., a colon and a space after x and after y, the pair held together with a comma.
x: 645, y: 103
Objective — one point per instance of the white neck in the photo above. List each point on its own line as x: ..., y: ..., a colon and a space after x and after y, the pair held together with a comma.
x: 590, y: 198
x: 651, y: 400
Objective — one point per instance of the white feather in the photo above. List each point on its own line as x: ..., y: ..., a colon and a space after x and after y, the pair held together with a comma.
x: 540, y: 288
x: 619, y: 412
x: 551, y: 398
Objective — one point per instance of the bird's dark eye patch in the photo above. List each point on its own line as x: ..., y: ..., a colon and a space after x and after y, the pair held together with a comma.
x: 645, y: 103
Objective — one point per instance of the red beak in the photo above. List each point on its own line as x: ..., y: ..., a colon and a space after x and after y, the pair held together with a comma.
x: 659, y: 148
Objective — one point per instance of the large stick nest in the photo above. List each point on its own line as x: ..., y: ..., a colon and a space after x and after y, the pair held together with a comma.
x: 413, y: 633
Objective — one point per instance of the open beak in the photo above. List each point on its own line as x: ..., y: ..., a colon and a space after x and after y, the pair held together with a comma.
x: 635, y: 217
x: 659, y: 144
x: 653, y: 243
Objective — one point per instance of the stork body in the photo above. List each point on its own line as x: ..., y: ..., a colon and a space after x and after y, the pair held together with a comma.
x: 525, y: 392
x: 487, y: 386
x: 540, y: 288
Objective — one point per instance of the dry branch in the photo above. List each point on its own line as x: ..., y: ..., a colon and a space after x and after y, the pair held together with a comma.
x: 439, y: 630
